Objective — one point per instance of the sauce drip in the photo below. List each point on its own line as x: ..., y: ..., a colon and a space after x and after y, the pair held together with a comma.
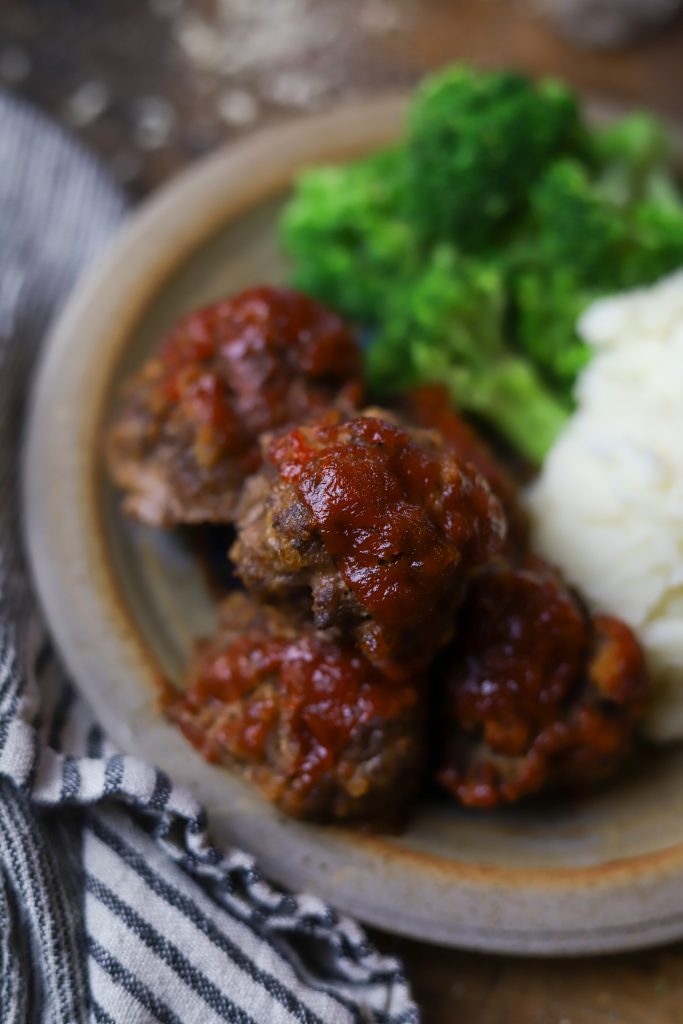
x: 431, y: 406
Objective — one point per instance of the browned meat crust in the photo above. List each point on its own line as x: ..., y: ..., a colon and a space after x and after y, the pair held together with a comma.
x: 187, y: 433
x: 383, y: 547
x: 533, y: 694
x: 305, y: 717
x: 368, y: 527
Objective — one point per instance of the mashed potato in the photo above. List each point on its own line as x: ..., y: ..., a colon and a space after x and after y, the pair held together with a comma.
x: 608, y: 506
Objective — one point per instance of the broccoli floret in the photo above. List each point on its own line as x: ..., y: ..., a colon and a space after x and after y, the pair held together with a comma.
x: 347, y: 234
x: 476, y: 145
x: 574, y: 227
x: 634, y: 157
x: 582, y: 244
x: 569, y: 255
x: 449, y: 328
x: 548, y: 304
x: 499, y: 219
x: 657, y: 242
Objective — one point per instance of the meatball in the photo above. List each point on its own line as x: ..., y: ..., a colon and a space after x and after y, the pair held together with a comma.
x: 534, y: 694
x: 306, y: 718
x: 187, y: 433
x: 368, y: 527
x: 430, y: 406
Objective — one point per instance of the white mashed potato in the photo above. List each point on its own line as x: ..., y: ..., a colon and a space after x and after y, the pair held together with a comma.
x: 608, y: 506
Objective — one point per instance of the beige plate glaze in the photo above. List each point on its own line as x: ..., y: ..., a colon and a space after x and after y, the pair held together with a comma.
x: 123, y: 602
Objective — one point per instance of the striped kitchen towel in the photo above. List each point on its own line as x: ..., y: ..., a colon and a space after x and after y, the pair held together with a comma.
x: 114, y: 905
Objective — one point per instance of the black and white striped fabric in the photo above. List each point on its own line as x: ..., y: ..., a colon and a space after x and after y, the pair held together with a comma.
x: 114, y: 906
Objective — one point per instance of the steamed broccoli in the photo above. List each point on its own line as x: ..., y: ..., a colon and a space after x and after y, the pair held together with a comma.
x: 634, y: 159
x: 570, y: 254
x: 656, y: 241
x: 477, y: 143
x: 547, y: 305
x: 583, y: 243
x: 574, y: 227
x: 501, y: 216
x: 448, y: 327
x: 347, y: 235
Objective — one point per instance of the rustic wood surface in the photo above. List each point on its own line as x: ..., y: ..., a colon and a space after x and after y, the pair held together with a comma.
x: 153, y: 84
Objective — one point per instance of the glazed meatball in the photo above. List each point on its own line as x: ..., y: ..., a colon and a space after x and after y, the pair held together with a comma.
x: 187, y: 433
x: 534, y: 694
x: 305, y: 717
x: 431, y: 407
x: 368, y: 527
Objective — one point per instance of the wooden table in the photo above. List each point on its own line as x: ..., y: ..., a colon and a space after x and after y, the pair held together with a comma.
x: 153, y: 85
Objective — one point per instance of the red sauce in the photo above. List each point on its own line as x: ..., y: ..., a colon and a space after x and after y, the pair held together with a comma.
x: 538, y: 695
x: 402, y: 520
x: 523, y: 645
x: 322, y: 691
x: 265, y: 358
x: 431, y: 406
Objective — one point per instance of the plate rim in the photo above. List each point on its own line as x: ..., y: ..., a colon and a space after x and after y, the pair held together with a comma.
x: 168, y: 228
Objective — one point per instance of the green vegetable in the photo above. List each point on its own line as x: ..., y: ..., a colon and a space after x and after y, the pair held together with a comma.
x: 470, y: 250
x: 634, y: 158
x: 347, y: 234
x: 448, y: 327
x: 548, y: 303
x: 476, y: 145
x: 582, y: 243
x: 570, y: 254
x: 574, y: 227
x: 657, y: 241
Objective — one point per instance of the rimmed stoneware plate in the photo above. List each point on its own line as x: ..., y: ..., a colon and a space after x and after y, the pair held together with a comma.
x: 124, y: 603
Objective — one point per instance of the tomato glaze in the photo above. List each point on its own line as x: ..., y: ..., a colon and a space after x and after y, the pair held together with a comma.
x: 523, y: 645
x: 537, y: 695
x: 318, y: 692
x: 262, y: 359
x: 431, y: 406
x: 403, y: 520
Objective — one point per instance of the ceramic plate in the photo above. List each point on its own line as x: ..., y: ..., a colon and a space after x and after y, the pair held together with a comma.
x: 124, y: 604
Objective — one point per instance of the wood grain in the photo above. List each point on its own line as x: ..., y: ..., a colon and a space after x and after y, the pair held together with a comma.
x: 467, y: 988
